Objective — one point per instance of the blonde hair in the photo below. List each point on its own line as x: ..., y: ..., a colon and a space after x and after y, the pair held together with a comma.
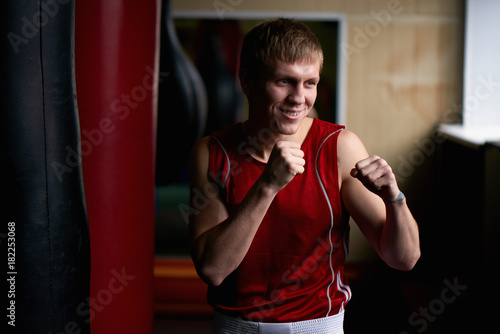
x: 279, y: 39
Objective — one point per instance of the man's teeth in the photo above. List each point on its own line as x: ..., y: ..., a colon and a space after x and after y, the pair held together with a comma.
x: 292, y: 113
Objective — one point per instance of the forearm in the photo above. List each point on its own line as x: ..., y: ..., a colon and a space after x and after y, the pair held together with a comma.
x: 399, y: 244
x: 219, y: 251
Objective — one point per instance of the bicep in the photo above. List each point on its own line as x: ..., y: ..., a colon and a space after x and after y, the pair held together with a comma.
x: 206, y: 207
x: 366, y: 208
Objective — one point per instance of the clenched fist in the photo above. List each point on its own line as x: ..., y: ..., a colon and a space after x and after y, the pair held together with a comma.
x: 377, y: 176
x: 285, y: 162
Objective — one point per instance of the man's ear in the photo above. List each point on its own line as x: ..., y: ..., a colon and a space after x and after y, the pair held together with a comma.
x: 245, y: 80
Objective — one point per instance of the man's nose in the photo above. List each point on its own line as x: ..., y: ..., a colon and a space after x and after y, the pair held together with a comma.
x: 297, y: 94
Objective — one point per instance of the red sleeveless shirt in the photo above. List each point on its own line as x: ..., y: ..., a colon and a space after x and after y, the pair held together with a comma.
x: 294, y: 269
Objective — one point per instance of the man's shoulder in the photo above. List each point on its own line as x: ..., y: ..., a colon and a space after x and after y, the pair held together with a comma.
x: 348, y: 137
x: 350, y: 146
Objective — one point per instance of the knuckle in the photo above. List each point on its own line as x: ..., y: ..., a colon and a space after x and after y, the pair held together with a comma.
x: 371, y: 178
x: 282, y: 144
x: 388, y: 171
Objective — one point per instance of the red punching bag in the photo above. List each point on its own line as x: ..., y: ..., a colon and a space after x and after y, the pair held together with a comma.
x: 116, y: 54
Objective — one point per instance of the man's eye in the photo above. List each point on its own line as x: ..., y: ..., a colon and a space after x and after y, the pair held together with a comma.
x: 284, y: 81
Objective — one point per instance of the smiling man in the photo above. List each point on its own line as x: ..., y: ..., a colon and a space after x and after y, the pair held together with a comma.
x: 273, y: 234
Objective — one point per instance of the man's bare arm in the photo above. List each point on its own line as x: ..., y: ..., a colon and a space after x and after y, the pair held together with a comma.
x: 219, y: 242
x: 368, y: 188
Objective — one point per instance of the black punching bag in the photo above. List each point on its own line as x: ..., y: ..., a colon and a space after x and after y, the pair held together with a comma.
x: 182, y: 105
x: 225, y: 98
x: 42, y: 195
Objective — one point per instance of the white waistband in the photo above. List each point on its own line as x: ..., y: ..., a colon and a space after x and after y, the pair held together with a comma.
x: 224, y: 324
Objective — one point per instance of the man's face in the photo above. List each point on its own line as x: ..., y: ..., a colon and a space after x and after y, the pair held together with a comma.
x: 283, y: 95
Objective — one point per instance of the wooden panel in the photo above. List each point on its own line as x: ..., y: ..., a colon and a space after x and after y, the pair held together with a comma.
x: 453, y: 8
x: 374, y: 128
x: 408, y: 77
x: 441, y: 7
x: 357, y: 76
x: 356, y: 6
x: 401, y: 73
